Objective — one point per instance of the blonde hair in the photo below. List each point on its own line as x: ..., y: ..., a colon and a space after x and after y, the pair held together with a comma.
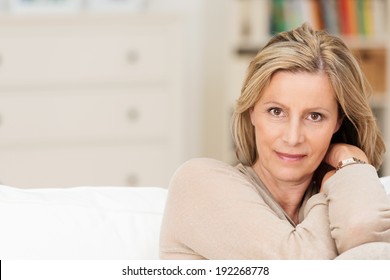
x: 305, y: 50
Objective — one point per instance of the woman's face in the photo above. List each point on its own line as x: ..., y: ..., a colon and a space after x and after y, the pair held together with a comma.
x: 294, y: 121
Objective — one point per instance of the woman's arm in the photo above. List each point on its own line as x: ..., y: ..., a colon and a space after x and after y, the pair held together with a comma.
x: 359, y: 209
x: 214, y: 212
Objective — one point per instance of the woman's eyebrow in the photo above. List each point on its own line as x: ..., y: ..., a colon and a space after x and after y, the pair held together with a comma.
x: 309, y: 109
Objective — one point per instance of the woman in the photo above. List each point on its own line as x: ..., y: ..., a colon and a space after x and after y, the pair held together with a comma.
x: 306, y: 186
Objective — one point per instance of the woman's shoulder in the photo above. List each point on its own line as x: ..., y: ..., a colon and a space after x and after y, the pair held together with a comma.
x: 204, y: 164
x: 207, y: 173
x: 197, y: 168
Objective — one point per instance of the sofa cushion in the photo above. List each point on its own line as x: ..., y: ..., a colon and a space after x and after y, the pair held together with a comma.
x: 83, y: 222
x: 80, y: 222
x: 386, y: 183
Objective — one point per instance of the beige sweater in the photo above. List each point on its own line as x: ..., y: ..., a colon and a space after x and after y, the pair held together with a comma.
x: 216, y: 211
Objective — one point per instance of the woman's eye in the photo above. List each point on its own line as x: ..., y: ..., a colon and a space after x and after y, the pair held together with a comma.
x: 277, y: 112
x: 316, y: 117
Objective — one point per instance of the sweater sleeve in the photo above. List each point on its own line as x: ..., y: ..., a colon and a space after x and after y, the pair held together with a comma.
x: 359, y: 209
x: 214, y: 212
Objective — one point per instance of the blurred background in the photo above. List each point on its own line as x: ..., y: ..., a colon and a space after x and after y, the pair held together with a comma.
x: 121, y: 92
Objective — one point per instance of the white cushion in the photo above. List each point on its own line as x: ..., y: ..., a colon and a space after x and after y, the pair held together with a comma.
x: 80, y: 222
x: 83, y: 222
x: 386, y: 183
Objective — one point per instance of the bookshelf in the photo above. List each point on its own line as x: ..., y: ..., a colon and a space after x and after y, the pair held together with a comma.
x: 361, y: 23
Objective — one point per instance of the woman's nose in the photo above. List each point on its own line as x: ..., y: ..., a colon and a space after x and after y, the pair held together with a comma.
x: 293, y: 133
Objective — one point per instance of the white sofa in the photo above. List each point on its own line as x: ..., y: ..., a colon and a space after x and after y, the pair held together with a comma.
x: 80, y: 222
x: 83, y: 222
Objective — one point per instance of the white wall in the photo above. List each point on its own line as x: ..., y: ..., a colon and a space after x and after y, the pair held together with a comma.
x: 207, y: 54
x: 192, y: 12
x: 215, y: 107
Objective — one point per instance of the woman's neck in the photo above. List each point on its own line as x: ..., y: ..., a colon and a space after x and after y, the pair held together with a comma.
x: 289, y: 198
x: 288, y: 194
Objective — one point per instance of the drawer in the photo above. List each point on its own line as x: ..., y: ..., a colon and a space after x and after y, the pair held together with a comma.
x: 120, y: 115
x: 85, y: 55
x: 93, y: 166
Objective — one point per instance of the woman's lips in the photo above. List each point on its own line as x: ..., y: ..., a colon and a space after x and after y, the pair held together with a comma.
x: 290, y: 157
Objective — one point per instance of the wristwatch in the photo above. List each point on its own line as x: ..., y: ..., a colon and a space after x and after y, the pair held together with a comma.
x: 349, y: 161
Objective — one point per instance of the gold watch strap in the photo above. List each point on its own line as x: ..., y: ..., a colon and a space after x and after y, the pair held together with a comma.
x: 349, y: 161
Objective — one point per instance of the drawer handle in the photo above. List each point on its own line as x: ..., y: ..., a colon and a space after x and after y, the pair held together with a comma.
x: 132, y: 180
x: 132, y: 57
x: 133, y: 114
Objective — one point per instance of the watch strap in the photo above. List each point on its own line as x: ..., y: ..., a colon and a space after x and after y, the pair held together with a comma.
x: 349, y: 161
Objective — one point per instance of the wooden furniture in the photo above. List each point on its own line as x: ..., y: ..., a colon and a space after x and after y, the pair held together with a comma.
x: 90, y: 100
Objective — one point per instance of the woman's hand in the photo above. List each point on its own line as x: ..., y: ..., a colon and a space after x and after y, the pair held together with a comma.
x: 338, y: 152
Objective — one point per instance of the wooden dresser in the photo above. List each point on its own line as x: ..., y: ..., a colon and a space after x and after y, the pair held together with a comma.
x: 91, y: 100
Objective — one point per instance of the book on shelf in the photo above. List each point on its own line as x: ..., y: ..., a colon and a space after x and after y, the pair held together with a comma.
x: 342, y: 17
x: 364, y: 19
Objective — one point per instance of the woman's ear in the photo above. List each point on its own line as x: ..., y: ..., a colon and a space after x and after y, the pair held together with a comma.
x: 251, y: 113
x: 338, y: 124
